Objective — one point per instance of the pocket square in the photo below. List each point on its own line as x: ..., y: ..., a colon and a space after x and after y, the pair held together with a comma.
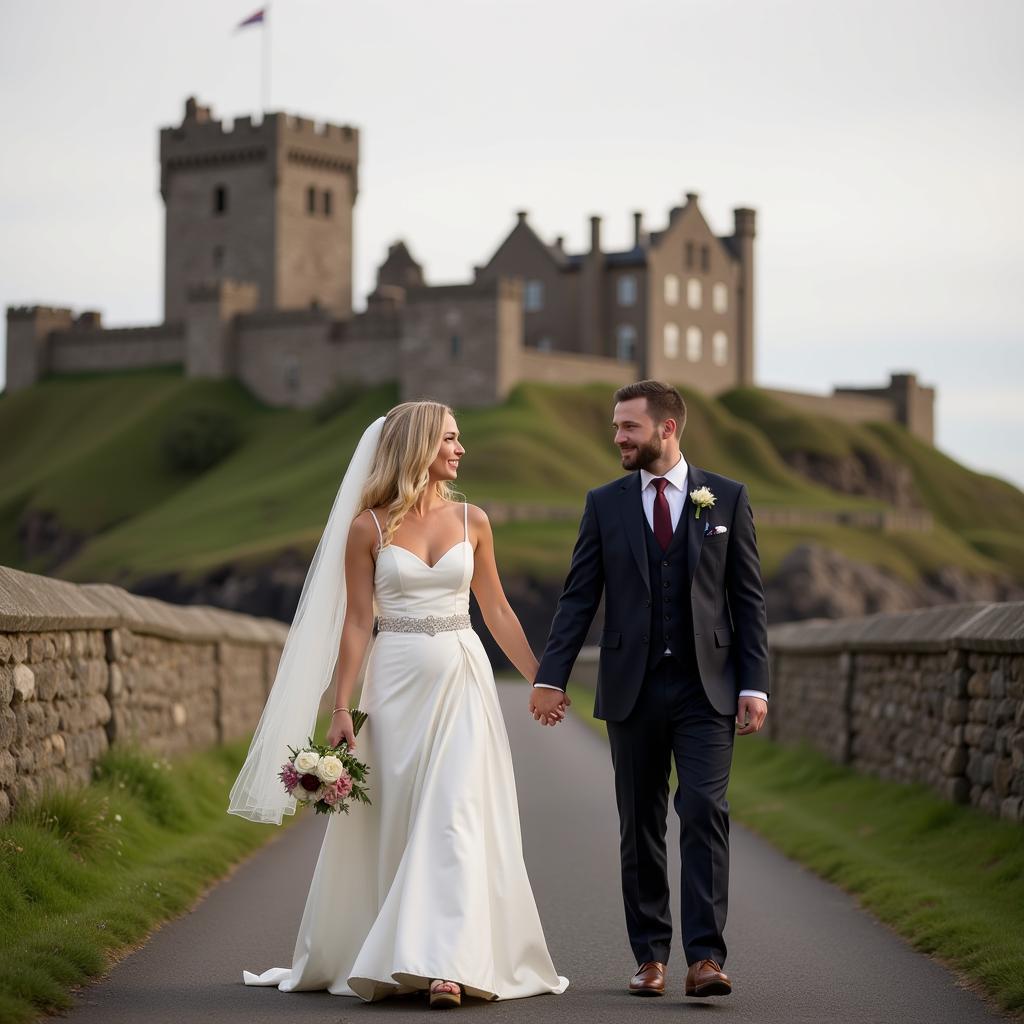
x: 712, y: 531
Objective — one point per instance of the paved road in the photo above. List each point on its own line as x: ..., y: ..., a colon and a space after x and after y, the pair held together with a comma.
x: 800, y: 950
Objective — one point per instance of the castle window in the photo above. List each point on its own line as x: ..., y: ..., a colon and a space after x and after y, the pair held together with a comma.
x: 456, y: 344
x: 671, y: 340
x: 705, y: 258
x: 220, y: 200
x: 545, y: 344
x: 689, y: 255
x: 720, y: 298
x: 625, y: 343
x: 218, y: 257
x: 327, y: 202
x: 720, y: 348
x: 311, y: 200
x: 533, y: 296
x: 627, y: 290
x: 671, y: 290
x: 694, y: 344
x: 694, y: 293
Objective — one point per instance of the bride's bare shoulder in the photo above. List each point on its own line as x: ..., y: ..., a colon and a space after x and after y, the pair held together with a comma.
x: 363, y: 526
x: 477, y: 517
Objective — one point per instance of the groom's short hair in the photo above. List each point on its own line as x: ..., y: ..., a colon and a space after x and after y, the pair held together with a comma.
x: 663, y: 401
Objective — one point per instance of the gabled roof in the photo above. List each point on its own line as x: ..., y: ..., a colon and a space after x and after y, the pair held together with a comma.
x: 556, y: 255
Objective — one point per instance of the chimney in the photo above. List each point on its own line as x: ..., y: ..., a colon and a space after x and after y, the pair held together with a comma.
x: 521, y: 216
x: 692, y: 197
x: 638, y: 228
x: 591, y: 293
x: 745, y: 221
x: 560, y: 242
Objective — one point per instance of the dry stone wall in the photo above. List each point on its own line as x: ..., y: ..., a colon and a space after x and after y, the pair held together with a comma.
x: 82, y: 667
x: 934, y: 696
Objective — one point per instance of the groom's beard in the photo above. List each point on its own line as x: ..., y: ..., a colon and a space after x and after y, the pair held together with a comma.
x: 643, y: 455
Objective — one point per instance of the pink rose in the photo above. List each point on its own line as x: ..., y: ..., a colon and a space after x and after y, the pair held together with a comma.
x: 331, y: 795
x: 344, y: 785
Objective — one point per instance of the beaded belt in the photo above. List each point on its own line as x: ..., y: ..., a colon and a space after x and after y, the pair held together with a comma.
x: 431, y: 624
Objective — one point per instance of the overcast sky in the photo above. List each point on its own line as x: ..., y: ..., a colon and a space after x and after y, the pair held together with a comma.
x: 881, y: 143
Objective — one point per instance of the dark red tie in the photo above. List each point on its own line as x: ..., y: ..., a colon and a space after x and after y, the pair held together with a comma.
x: 662, y: 515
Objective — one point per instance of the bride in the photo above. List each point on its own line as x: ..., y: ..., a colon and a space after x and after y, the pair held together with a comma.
x: 426, y: 889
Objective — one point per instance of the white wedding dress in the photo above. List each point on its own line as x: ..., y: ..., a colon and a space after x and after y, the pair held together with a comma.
x: 428, y: 882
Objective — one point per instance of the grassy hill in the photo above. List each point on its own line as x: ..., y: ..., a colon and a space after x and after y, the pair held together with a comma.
x: 84, y: 454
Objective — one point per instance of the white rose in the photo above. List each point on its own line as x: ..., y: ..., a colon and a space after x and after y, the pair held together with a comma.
x: 303, y: 795
x: 330, y: 768
x: 702, y: 496
x: 307, y: 760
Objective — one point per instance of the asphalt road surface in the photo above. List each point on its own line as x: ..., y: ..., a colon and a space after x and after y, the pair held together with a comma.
x: 799, y: 949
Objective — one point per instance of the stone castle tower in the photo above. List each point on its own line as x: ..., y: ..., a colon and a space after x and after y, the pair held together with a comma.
x: 268, y: 203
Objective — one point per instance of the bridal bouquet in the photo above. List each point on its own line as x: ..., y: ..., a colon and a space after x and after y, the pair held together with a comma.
x: 326, y: 778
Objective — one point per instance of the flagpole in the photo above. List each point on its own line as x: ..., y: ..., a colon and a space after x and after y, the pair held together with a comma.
x: 266, y: 60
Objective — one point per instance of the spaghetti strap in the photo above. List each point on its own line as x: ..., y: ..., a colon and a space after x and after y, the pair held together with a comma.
x: 376, y: 523
x: 465, y: 518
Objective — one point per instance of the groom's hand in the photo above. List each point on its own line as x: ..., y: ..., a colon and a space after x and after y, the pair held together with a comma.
x: 750, y: 715
x: 548, y: 706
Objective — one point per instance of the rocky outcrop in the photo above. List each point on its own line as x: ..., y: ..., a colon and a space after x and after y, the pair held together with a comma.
x: 862, y: 473
x: 271, y: 590
x: 815, y: 581
x: 45, y: 542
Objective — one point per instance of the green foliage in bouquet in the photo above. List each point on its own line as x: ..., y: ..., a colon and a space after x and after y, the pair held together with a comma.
x: 327, y: 795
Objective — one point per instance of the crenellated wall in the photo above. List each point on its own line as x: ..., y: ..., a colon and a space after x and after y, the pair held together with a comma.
x: 85, y: 666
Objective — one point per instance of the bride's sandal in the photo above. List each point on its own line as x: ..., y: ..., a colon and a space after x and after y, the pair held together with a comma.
x: 444, y: 998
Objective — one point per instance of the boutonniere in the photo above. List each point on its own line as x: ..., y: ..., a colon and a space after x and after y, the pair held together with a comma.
x: 702, y: 498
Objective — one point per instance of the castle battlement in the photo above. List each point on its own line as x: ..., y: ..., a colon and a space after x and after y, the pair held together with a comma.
x: 32, y: 312
x: 200, y: 132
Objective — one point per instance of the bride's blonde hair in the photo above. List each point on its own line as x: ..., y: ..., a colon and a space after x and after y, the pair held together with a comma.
x: 408, y: 444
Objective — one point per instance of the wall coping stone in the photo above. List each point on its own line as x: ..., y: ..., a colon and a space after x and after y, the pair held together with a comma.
x: 974, y: 626
x: 30, y: 603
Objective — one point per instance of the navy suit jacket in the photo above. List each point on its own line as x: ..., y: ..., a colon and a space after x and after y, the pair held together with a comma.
x: 730, y: 628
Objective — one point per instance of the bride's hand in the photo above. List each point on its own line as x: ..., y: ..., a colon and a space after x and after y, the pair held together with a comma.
x: 341, y: 731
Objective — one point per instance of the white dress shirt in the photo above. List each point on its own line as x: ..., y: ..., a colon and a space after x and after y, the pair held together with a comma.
x: 675, y: 494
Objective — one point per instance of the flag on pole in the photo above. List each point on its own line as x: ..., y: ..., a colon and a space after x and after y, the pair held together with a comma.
x: 253, y: 19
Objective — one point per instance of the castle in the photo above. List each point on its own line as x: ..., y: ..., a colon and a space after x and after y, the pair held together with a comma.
x: 258, y: 287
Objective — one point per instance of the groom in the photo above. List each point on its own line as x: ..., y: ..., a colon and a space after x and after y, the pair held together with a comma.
x: 684, y: 655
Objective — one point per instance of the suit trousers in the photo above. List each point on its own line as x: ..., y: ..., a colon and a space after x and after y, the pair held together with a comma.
x: 673, y: 718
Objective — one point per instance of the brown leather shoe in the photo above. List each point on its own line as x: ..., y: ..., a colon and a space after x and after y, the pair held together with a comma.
x: 706, y: 978
x: 649, y: 980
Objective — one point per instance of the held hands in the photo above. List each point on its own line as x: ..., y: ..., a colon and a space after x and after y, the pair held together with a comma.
x: 548, y: 706
x: 750, y: 715
x: 341, y: 730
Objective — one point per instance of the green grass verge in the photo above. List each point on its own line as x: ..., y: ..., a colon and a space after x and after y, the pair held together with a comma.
x: 87, y: 873
x: 948, y: 879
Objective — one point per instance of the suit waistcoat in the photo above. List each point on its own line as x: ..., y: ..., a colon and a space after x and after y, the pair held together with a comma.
x: 671, y: 610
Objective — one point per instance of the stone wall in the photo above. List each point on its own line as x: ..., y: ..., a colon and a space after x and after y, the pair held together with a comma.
x: 82, y: 667
x: 568, y: 368
x: 116, y: 348
x: 934, y: 696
